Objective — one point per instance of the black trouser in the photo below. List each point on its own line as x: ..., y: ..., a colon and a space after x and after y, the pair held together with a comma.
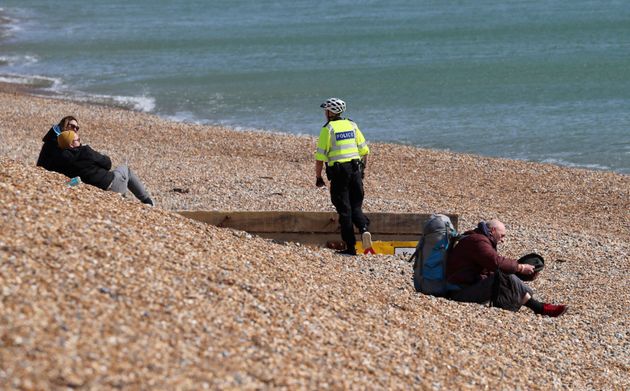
x: 346, y: 193
x: 512, y: 290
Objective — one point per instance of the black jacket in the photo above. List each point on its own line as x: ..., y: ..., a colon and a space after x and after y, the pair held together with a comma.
x: 50, y: 155
x: 91, y: 166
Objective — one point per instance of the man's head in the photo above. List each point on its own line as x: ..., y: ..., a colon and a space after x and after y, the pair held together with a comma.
x: 68, y: 139
x: 333, y: 107
x: 497, y: 230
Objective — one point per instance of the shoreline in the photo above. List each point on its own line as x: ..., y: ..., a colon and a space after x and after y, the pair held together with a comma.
x: 513, y: 185
x: 34, y: 91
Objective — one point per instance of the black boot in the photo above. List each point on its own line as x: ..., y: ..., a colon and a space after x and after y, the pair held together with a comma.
x: 348, y: 251
x: 148, y: 201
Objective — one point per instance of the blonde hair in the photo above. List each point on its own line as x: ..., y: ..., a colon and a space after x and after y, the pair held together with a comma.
x: 65, y: 139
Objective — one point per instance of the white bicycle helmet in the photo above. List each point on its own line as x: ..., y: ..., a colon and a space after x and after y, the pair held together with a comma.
x: 334, y: 105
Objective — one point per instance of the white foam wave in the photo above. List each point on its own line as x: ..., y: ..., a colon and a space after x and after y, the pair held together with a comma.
x: 22, y: 60
x: 138, y: 103
x: 28, y: 59
x: 562, y: 162
x: 55, y: 86
x: 236, y: 127
x: 186, y: 117
x: 35, y: 81
x: 8, y: 25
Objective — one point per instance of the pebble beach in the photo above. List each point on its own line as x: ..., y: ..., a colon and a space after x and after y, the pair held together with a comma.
x: 101, y: 292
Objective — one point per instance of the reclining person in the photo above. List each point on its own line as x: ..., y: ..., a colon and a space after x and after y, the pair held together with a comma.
x: 93, y: 168
x: 50, y: 154
x: 473, y: 264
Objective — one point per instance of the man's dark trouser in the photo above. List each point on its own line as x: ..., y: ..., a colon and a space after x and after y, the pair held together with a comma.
x: 481, y: 292
x: 346, y: 193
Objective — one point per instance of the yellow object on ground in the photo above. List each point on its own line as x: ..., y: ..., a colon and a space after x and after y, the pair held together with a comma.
x: 390, y: 248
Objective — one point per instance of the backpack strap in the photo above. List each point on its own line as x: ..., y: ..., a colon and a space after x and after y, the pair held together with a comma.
x: 416, y: 254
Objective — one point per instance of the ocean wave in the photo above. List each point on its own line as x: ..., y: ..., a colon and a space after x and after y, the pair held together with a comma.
x: 8, y: 25
x: 141, y: 103
x: 22, y: 60
x: 33, y: 81
x: 185, y: 117
x: 562, y: 162
x: 54, y: 88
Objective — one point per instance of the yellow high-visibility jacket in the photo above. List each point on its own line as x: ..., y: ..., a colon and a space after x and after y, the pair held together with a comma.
x: 340, y: 141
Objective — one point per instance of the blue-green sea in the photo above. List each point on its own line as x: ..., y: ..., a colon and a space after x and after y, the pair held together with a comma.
x: 544, y: 81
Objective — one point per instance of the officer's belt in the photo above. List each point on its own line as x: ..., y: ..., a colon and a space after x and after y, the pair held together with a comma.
x: 353, y: 161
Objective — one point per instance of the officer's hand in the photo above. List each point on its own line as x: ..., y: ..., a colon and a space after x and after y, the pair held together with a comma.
x: 319, y: 182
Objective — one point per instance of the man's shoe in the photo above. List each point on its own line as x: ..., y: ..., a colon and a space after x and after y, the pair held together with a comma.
x: 366, y: 240
x: 554, y: 310
x: 347, y: 251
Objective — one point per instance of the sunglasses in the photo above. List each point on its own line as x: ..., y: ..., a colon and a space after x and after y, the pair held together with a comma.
x: 74, y: 127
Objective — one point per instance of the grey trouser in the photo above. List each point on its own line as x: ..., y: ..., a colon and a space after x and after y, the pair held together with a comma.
x: 125, y: 179
x: 481, y: 292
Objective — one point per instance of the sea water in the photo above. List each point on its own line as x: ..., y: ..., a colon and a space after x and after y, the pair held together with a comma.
x: 541, y: 80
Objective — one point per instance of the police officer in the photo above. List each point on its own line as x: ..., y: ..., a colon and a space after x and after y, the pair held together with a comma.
x: 342, y: 147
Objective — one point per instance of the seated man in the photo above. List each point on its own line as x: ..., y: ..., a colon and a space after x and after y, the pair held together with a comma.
x: 93, y: 168
x: 472, y: 265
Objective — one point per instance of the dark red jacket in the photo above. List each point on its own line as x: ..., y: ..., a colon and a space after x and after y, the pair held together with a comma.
x: 474, y: 258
